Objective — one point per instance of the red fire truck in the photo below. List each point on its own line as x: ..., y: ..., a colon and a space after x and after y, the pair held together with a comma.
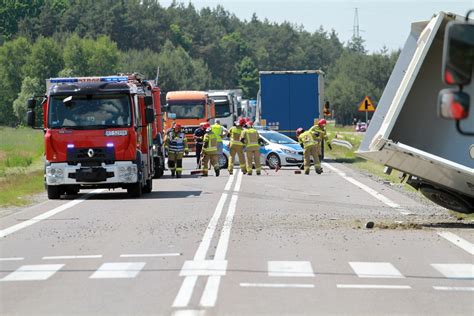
x: 99, y: 133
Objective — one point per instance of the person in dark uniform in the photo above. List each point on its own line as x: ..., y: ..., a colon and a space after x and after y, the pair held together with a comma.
x: 198, y: 138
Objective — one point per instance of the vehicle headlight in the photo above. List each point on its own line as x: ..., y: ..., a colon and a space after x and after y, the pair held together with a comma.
x: 128, y: 173
x: 288, y: 151
x: 54, y: 175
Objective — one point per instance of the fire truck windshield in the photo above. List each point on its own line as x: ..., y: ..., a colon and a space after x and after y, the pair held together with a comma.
x: 89, y: 111
x: 187, y: 110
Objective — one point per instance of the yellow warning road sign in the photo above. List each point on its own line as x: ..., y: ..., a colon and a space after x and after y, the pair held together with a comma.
x: 366, y: 105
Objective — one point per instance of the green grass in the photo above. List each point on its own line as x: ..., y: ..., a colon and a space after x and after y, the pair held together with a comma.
x: 21, y: 164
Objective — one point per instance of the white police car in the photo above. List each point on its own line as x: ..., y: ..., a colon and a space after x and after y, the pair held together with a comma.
x: 276, y: 150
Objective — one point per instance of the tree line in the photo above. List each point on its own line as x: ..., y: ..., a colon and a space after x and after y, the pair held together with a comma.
x: 194, y: 49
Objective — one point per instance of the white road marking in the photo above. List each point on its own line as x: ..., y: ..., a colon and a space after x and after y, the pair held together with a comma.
x: 238, y: 183
x: 72, y: 257
x: 290, y: 269
x: 458, y: 241
x: 189, y: 312
x: 223, y: 243
x: 12, y: 259
x: 367, y: 189
x: 456, y: 271
x: 38, y: 272
x: 150, y: 255
x: 229, y: 182
x: 375, y: 270
x: 454, y: 288
x: 373, y: 286
x: 10, y: 230
x: 203, y: 268
x: 278, y: 285
x: 118, y: 270
x: 187, y: 287
x: 209, y: 296
x: 185, y: 291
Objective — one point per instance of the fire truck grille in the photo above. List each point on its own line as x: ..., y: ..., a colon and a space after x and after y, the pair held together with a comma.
x: 92, y: 156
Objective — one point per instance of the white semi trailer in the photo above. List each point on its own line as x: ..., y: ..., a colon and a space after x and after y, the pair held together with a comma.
x: 406, y: 133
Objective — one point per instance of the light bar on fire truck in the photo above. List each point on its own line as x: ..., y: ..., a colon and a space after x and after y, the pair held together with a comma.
x: 51, y: 81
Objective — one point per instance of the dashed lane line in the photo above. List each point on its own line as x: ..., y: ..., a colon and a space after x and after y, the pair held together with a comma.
x: 10, y: 230
x: 373, y: 286
x: 151, y: 255
x: 12, y: 259
x: 279, y: 285
x: 72, y: 257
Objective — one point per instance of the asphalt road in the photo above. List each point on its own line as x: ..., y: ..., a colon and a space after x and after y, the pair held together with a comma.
x: 274, y: 244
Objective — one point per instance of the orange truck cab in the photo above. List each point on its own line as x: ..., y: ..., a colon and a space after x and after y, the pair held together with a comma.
x: 99, y: 133
x: 188, y: 109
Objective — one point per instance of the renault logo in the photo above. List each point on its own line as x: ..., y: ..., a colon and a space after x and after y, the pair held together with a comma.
x: 90, y: 153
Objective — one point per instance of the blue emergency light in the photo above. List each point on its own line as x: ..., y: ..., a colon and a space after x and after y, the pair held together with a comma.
x: 90, y: 79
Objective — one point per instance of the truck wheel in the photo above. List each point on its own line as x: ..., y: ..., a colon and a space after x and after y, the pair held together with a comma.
x: 273, y: 161
x: 446, y: 199
x: 135, y: 190
x: 54, y: 192
x: 148, y: 186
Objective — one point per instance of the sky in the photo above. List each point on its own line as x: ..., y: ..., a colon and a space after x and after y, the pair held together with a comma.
x: 381, y: 22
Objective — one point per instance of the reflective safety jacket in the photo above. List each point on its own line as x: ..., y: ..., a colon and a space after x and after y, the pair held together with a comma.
x: 307, y: 139
x: 250, y: 138
x: 235, y: 133
x: 176, y: 142
x: 218, y: 130
x: 319, y: 133
x: 210, y: 143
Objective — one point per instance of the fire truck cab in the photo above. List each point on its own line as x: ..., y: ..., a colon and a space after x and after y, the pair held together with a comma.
x: 99, y: 133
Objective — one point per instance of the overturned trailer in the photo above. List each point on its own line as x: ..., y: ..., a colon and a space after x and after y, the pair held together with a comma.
x: 406, y: 134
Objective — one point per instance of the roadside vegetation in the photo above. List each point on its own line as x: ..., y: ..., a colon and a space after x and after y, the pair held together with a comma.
x: 21, y: 165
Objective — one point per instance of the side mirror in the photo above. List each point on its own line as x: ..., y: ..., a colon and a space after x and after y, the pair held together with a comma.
x: 31, y: 103
x: 458, y: 53
x: 31, y: 118
x: 148, y: 100
x: 149, y: 115
x: 453, y: 105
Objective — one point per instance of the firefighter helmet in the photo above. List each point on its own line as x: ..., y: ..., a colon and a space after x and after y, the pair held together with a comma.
x: 177, y: 127
x: 249, y: 123
x: 299, y: 131
x: 241, y: 122
x: 322, y: 122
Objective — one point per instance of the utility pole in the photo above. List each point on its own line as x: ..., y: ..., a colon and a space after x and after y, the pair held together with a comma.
x: 355, y: 27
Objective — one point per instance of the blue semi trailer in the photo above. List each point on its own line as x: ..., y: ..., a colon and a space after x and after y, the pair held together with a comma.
x: 290, y: 99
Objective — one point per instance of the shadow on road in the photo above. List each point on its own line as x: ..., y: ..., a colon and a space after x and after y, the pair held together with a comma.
x: 170, y: 195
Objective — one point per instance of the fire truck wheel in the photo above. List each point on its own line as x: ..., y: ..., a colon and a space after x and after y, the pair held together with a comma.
x: 148, y: 186
x: 54, y: 192
x: 135, y: 190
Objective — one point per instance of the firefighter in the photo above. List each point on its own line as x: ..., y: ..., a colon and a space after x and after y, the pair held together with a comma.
x: 177, y: 145
x: 308, y: 142
x: 320, y: 133
x: 250, y: 138
x: 198, y: 138
x: 210, y: 151
x: 236, y: 146
x: 219, y: 131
